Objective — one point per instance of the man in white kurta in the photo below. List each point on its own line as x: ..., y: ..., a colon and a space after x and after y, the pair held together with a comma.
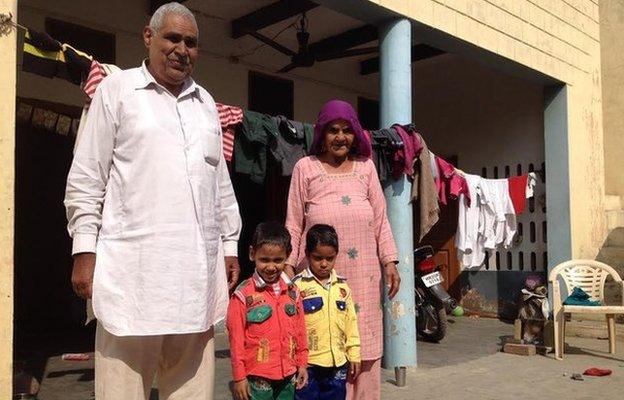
x: 152, y: 214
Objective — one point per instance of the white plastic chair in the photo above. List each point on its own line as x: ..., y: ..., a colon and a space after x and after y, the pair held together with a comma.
x: 590, y: 276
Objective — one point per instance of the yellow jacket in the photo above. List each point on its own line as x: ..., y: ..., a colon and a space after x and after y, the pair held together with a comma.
x: 333, y: 337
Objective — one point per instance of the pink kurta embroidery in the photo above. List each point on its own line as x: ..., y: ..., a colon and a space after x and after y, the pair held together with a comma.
x: 354, y: 205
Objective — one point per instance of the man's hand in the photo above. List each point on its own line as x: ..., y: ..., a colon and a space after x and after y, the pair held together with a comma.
x: 82, y: 274
x: 232, y: 271
x: 241, y: 390
x: 354, y: 370
x: 392, y: 279
x: 302, y: 377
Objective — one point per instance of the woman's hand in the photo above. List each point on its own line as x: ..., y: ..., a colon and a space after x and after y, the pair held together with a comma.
x: 302, y: 377
x: 241, y: 390
x: 392, y: 279
x: 354, y: 370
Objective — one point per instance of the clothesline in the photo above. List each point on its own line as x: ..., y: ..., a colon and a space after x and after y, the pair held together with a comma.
x: 396, y: 143
x: 7, y: 19
x: 248, y: 136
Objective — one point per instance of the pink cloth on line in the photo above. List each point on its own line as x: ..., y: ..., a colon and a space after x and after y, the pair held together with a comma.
x: 229, y: 117
x: 448, y: 177
x: 404, y: 158
x: 353, y: 203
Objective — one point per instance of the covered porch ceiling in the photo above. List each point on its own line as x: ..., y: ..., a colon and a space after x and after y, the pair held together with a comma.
x: 272, y: 28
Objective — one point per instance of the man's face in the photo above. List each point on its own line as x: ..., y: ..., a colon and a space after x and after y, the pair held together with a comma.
x: 172, y: 50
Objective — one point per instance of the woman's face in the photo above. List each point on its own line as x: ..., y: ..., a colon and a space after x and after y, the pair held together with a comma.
x: 339, y: 138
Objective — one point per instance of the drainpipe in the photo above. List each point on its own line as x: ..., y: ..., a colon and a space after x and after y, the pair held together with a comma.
x: 396, y: 107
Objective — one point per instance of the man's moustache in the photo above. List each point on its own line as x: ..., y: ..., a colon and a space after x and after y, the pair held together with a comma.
x: 184, y: 62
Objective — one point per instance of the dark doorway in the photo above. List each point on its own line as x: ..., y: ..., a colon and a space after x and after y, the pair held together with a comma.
x: 271, y: 95
x: 49, y: 317
x: 368, y: 113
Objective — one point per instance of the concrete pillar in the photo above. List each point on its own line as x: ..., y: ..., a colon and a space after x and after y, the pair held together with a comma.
x: 8, y: 72
x: 556, y: 146
x: 396, y: 107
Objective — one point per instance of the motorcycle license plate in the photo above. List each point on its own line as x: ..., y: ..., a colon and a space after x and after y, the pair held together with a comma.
x: 431, y: 279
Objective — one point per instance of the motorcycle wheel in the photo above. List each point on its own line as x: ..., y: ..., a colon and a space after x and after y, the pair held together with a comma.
x: 431, y: 322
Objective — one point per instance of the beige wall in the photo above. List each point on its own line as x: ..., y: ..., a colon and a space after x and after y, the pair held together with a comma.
x: 612, y: 44
x: 7, y: 179
x: 561, y: 39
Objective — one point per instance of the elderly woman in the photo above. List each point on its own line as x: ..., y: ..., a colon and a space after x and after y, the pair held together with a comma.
x: 338, y: 185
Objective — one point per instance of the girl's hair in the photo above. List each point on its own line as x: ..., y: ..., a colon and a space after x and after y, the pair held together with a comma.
x: 271, y: 233
x: 335, y: 110
x: 321, y: 234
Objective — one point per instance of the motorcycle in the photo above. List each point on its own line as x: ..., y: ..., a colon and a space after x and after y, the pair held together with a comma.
x: 432, y: 301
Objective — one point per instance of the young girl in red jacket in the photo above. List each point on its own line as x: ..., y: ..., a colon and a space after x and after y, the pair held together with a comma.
x: 266, y: 324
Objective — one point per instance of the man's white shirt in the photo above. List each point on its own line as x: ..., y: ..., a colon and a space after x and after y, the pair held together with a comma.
x: 149, y: 192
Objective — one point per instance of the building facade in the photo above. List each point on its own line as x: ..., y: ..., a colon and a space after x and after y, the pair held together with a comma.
x: 518, y: 82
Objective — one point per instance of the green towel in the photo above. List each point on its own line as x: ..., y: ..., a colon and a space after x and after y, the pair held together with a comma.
x: 580, y: 298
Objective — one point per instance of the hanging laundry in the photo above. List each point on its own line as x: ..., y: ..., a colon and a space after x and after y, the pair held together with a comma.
x: 229, y: 117
x: 92, y: 82
x: 96, y: 74
x: 498, y: 218
x: 78, y: 64
x: 469, y: 239
x: 517, y: 192
x: 44, y: 56
x: 251, y: 142
x: 520, y: 189
x: 308, y: 133
x: 424, y: 191
x: 449, y: 181
x: 287, y: 147
x: 434, y: 166
x: 404, y: 158
x: 531, y: 182
x: 384, y: 147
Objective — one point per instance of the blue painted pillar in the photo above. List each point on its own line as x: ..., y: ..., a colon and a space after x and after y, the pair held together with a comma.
x: 396, y: 107
x: 557, y: 178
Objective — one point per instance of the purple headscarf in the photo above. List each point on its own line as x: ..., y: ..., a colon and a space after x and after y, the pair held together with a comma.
x: 332, y: 111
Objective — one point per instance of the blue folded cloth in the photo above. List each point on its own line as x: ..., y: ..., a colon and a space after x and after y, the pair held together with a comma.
x: 579, y: 297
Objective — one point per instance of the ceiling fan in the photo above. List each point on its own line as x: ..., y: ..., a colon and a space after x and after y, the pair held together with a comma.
x: 307, y: 54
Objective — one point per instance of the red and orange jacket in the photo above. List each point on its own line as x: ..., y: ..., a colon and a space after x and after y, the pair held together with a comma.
x: 267, y: 331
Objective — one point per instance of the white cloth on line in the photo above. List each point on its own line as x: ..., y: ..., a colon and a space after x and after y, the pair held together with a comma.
x: 498, y: 218
x: 469, y: 239
x: 531, y: 182
x: 149, y: 192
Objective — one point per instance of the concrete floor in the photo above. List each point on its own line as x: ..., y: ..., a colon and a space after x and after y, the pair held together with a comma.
x: 466, y: 365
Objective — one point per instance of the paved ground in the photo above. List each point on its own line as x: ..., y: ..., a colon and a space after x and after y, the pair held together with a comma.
x: 466, y: 365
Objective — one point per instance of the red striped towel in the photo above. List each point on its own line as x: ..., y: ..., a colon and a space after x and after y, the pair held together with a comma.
x: 229, y: 117
x: 96, y: 74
